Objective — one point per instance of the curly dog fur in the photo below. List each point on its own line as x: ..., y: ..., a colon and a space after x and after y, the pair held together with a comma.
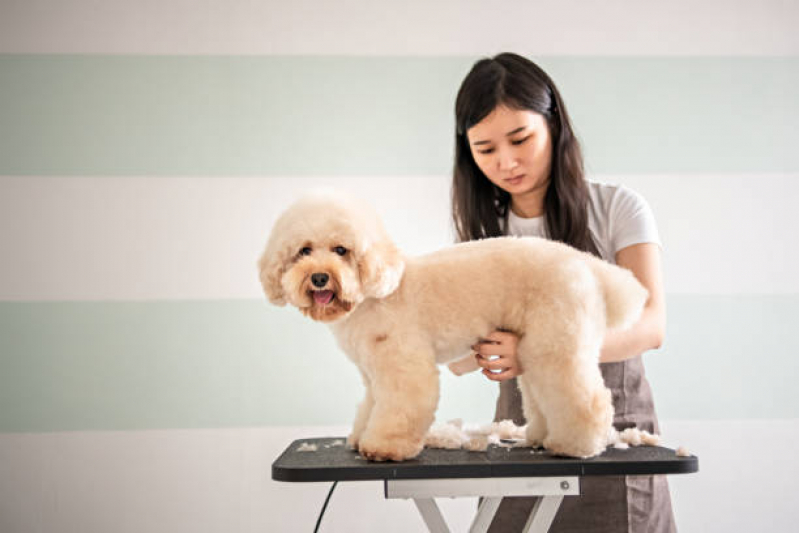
x: 397, y: 317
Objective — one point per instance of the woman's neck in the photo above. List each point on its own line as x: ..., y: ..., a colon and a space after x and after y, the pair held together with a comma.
x: 529, y: 204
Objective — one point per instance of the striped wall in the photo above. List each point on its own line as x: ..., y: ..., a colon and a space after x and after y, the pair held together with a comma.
x: 147, y: 147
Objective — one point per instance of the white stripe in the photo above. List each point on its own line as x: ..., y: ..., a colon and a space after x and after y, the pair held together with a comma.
x: 725, y: 234
x: 418, y: 27
x: 175, y: 238
x: 137, y: 238
x: 219, y: 480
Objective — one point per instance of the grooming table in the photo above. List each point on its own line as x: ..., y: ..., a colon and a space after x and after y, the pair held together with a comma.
x: 492, y: 474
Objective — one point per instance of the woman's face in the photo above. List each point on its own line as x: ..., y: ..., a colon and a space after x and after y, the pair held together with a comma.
x: 513, y: 148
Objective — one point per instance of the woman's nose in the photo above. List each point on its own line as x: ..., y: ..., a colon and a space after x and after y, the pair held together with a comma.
x: 507, y: 160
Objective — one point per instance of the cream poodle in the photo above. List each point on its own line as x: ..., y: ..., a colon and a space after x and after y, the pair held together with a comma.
x: 398, y: 317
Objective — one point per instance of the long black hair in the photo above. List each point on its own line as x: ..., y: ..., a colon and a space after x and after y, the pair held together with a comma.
x: 477, y: 204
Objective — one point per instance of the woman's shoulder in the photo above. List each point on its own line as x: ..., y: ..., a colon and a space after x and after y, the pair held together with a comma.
x: 621, y: 215
x: 613, y: 201
x: 609, y: 193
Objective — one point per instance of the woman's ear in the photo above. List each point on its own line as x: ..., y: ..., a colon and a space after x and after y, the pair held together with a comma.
x: 380, y: 267
x: 271, y: 268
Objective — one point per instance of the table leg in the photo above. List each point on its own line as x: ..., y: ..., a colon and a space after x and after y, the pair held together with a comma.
x: 543, y: 514
x: 431, y: 514
x: 424, y: 491
x: 485, y: 514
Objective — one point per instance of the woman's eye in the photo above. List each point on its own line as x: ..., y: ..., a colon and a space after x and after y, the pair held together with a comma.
x: 340, y: 250
x: 514, y: 143
x: 306, y: 251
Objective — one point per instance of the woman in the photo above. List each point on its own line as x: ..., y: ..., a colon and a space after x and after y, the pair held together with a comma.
x: 519, y: 171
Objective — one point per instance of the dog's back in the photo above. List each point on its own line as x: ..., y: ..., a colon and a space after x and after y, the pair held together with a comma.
x: 465, y: 291
x: 495, y: 277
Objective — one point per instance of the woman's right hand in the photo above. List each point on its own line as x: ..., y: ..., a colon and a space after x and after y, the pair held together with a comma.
x: 496, y: 354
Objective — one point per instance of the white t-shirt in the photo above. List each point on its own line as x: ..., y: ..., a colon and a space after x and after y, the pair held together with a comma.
x: 618, y: 217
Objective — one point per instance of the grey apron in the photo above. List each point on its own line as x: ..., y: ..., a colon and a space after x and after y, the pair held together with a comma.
x: 612, y: 504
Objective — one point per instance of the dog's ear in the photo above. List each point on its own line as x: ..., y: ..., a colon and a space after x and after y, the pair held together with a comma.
x: 380, y: 266
x: 271, y: 268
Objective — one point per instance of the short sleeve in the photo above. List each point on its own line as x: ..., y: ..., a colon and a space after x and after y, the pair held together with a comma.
x: 631, y: 220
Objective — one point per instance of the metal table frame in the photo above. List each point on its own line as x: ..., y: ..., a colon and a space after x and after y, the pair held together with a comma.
x: 490, y: 475
x: 424, y: 491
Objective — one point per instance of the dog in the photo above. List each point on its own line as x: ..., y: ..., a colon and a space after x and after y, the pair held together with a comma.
x: 398, y: 317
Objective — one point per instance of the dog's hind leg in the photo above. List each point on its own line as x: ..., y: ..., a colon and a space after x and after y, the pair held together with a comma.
x: 536, y: 430
x: 405, y: 389
x: 364, y: 412
x: 571, y: 395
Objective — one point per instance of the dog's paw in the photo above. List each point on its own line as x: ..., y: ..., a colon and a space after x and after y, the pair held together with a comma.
x: 536, y: 435
x: 535, y: 443
x: 583, y: 450
x: 353, y: 441
x: 377, y: 449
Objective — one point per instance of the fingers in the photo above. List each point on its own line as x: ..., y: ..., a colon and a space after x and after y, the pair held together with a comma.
x: 487, y: 348
x: 498, y: 368
x: 509, y: 373
x: 496, y: 354
x: 497, y: 343
x: 502, y: 336
x: 494, y: 362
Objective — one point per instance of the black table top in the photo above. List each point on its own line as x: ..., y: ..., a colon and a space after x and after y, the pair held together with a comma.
x: 339, y: 463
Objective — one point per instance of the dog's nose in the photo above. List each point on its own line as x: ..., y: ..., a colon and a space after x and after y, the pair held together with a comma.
x: 319, y: 280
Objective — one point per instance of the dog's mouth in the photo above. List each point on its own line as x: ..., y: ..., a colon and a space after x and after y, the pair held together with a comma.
x: 325, y: 303
x: 324, y: 297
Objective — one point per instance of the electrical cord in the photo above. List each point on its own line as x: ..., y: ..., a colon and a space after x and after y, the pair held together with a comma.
x: 324, y: 507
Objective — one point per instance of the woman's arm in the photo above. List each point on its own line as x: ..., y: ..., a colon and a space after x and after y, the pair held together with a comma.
x: 648, y: 333
x: 464, y: 365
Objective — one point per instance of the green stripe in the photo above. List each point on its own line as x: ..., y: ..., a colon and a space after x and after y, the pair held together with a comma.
x: 239, y: 115
x: 115, y: 366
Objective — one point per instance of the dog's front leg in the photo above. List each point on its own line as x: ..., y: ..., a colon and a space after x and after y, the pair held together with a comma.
x: 364, y: 412
x: 405, y: 389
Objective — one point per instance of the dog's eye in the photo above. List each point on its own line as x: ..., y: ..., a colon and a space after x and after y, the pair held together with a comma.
x: 306, y: 251
x: 340, y: 250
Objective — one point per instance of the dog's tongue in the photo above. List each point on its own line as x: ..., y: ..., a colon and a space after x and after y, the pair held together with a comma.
x: 322, y: 297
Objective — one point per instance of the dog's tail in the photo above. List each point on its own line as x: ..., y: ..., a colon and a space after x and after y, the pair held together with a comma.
x: 624, y: 295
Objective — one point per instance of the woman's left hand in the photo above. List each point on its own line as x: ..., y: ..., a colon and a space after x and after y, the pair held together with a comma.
x: 496, y: 354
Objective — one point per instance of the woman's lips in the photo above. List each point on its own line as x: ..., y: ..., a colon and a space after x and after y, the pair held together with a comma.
x: 515, y: 180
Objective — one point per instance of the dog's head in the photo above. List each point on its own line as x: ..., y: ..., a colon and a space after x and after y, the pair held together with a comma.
x: 326, y: 254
